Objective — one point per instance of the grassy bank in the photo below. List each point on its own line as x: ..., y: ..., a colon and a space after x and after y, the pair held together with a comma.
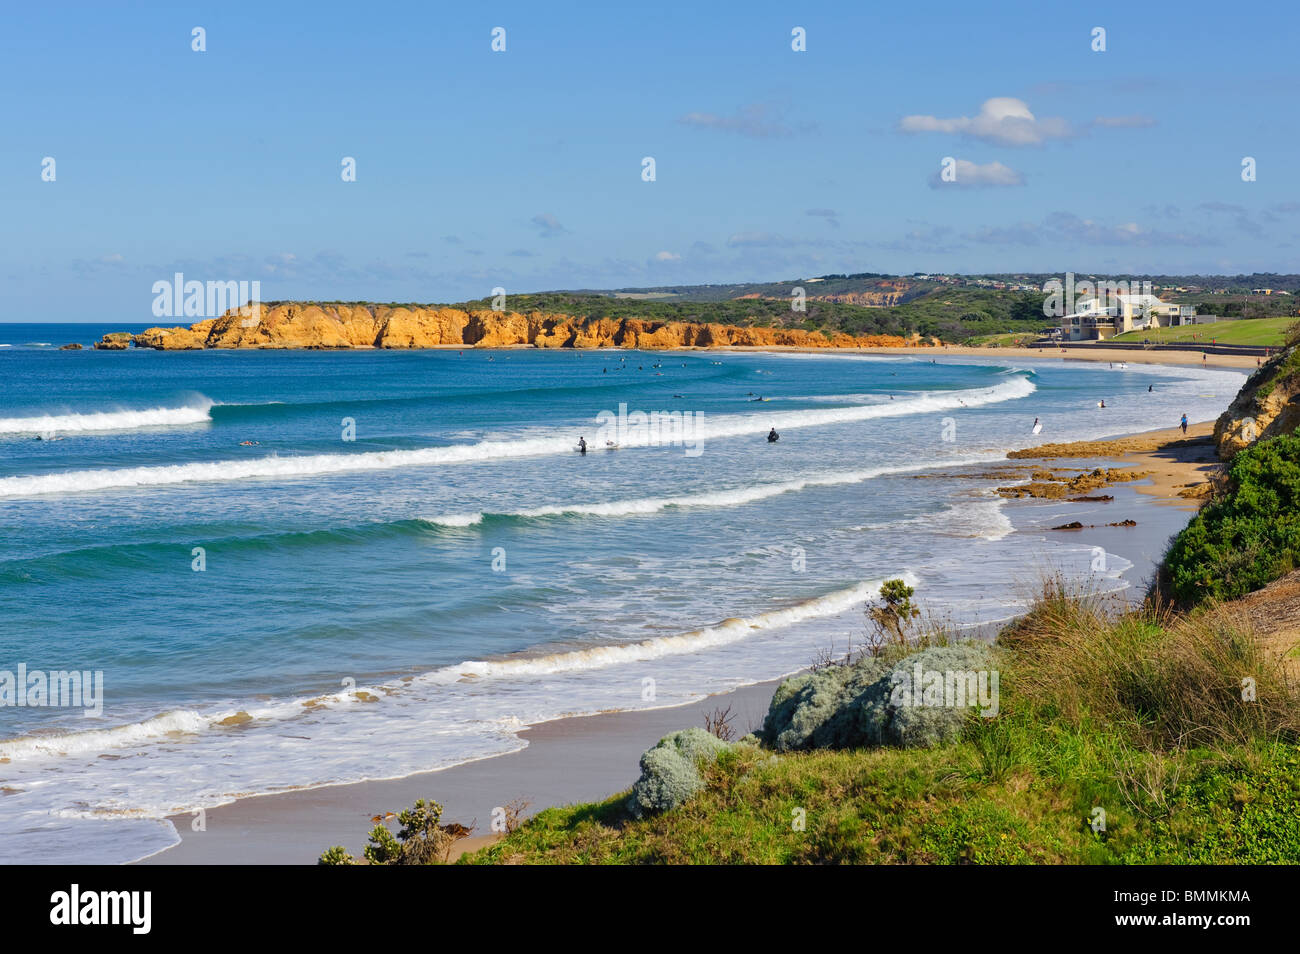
x: 1265, y: 332
x: 1118, y: 741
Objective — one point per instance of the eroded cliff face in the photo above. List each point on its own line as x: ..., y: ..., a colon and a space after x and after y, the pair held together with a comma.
x: 299, y: 325
x: 1267, y: 405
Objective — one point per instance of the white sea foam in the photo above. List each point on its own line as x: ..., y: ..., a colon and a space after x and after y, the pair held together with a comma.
x: 728, y: 631
x: 735, y: 497
x: 106, y: 420
x: 712, y: 428
x: 177, y: 723
x: 99, y: 740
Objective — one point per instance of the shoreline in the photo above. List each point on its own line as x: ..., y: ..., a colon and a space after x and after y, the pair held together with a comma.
x: 1105, y: 353
x: 592, y: 757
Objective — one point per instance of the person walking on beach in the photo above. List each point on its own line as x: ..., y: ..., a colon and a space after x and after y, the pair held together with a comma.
x: 1183, y: 424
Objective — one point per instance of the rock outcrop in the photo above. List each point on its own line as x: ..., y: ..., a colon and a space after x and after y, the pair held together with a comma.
x: 1266, y: 406
x: 324, y: 326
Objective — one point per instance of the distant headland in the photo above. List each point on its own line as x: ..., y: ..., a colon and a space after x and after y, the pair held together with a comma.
x: 363, y: 325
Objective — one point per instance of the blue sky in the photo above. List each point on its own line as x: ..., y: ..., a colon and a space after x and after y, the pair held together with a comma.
x: 523, y: 168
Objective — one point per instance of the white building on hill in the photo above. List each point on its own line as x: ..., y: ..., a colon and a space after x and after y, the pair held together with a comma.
x: 1098, y: 319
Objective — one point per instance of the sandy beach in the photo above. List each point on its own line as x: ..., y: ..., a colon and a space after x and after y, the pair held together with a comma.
x: 592, y: 757
x: 1103, y: 353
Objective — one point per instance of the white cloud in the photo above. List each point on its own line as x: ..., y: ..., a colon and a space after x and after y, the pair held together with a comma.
x: 970, y: 175
x: 1003, y: 120
x: 667, y: 257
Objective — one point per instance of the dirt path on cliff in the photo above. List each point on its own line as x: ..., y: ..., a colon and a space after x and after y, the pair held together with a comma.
x: 1274, y: 615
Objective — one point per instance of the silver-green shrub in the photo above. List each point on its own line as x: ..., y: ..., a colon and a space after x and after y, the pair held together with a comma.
x: 850, y: 706
x: 670, y: 772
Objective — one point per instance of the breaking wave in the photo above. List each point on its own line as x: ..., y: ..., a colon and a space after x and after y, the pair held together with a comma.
x: 712, y: 428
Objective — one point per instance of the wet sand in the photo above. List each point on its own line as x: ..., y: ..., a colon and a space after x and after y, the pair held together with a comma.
x: 582, y: 759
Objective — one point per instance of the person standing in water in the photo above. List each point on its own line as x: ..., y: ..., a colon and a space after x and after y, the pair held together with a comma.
x: 1183, y: 424
x: 582, y: 445
x: 773, y: 436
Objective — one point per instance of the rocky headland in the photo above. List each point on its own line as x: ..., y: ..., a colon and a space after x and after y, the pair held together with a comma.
x: 343, y: 326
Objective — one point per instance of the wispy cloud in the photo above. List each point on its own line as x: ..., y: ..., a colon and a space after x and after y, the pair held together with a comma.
x: 548, y: 225
x: 1124, y: 122
x: 830, y: 215
x: 756, y: 120
x: 1070, y: 229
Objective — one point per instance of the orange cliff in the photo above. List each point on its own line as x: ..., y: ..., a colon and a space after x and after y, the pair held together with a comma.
x: 299, y: 325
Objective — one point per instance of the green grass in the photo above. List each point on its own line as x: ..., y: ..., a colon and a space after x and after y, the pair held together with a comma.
x: 946, y: 806
x: 1140, y: 716
x: 1248, y: 331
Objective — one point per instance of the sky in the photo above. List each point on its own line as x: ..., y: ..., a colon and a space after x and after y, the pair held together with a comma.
x: 523, y: 168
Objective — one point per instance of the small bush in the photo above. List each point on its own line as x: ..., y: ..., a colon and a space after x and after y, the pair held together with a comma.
x: 670, y: 772
x: 421, y: 839
x: 1249, y: 537
x: 853, y: 706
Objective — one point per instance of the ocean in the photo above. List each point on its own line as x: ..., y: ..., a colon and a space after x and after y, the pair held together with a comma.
x: 299, y: 568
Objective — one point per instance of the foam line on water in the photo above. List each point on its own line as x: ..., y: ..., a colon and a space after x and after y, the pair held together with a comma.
x: 106, y: 420
x: 710, y: 428
x: 735, y: 497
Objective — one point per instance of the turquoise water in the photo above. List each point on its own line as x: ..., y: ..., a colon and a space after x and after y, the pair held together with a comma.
x: 457, y: 562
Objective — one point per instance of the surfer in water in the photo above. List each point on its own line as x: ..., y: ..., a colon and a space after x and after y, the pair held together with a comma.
x: 1101, y: 403
x: 1038, y: 427
x: 582, y: 445
x: 773, y: 436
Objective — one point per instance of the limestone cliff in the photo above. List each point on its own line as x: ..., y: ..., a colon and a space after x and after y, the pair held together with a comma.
x: 1267, y: 405
x: 311, y: 325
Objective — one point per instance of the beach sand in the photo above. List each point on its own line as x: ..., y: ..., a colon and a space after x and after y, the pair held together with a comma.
x: 580, y: 759
x: 1181, y: 466
x: 1107, y: 353
x: 593, y: 757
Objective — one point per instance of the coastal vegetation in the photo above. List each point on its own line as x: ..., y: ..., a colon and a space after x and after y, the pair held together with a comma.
x: 1118, y: 740
x: 950, y: 314
x: 1246, y: 537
